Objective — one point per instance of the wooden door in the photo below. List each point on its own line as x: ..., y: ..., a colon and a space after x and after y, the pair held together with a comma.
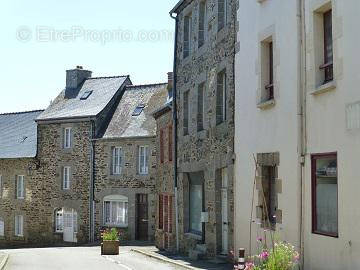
x: 142, y: 217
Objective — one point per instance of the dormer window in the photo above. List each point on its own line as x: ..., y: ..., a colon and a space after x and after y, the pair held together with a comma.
x: 138, y: 110
x: 86, y: 95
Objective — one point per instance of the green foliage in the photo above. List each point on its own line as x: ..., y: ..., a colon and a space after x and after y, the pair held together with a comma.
x: 110, y: 235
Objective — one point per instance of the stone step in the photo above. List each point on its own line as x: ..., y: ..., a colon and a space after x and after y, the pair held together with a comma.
x: 201, y: 247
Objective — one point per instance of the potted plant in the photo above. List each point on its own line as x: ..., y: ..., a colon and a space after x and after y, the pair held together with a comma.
x: 110, y: 242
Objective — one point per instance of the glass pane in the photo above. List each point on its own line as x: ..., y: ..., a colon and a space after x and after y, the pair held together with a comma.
x: 195, y: 208
x: 107, y: 212
x: 326, y: 195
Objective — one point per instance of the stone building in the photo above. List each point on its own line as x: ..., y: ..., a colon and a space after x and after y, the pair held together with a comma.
x: 205, y: 92
x: 18, y: 189
x: 165, y: 214
x: 126, y: 164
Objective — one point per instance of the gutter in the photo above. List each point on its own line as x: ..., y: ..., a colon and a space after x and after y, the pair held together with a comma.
x: 174, y: 106
x: 92, y: 185
x: 302, y: 137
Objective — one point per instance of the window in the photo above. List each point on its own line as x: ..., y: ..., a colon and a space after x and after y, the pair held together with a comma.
x: 170, y: 141
x: 196, y: 203
x: 116, y: 211
x: 143, y: 160
x: 269, y: 196
x: 187, y: 34
x: 117, y: 156
x: 19, y: 226
x: 86, y: 95
x: 200, y: 111
x: 67, y: 138
x: 59, y: 220
x: 328, y: 47
x: 162, y: 146
x: 20, y: 189
x: 324, y: 194
x: 186, y: 113
x: 202, y: 23
x: 1, y: 186
x: 138, y: 110
x: 66, y: 178
x: 221, y: 97
x: 267, y: 70
x: 165, y: 212
x: 222, y: 14
x: 2, y: 227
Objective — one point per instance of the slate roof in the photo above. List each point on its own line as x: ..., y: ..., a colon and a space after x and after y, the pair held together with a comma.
x: 103, y: 89
x: 124, y: 125
x: 18, y: 134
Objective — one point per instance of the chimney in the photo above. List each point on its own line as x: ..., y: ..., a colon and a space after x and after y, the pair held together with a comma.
x: 75, y: 77
x: 170, y: 84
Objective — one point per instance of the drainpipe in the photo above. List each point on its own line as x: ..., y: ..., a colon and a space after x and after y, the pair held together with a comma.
x: 92, y: 181
x: 175, y: 133
x: 302, y: 137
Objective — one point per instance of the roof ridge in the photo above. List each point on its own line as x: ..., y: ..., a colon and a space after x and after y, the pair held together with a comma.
x: 108, y: 77
x: 145, y: 85
x: 12, y: 113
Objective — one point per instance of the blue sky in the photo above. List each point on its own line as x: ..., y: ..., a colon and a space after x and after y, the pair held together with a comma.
x: 40, y: 39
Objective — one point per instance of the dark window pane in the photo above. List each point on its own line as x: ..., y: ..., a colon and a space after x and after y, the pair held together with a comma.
x: 138, y: 110
x: 86, y: 95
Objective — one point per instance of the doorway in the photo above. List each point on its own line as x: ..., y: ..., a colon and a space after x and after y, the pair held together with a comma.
x: 224, y: 213
x: 142, y: 221
x: 70, y: 225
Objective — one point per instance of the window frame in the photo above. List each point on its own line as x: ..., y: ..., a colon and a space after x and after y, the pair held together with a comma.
x: 145, y: 169
x: 328, y: 63
x: 19, y: 226
x: 222, y: 24
x: 201, y: 113
x: 20, y: 193
x: 57, y: 217
x: 67, y: 138
x: 116, y: 168
x: 125, y: 202
x: 170, y: 143
x: 1, y: 186
x: 223, y: 76
x: 186, y: 112
x: 188, y: 41
x: 66, y: 173
x: 162, y: 152
x: 202, y: 29
x: 2, y: 232
x: 314, y: 158
x: 196, y: 183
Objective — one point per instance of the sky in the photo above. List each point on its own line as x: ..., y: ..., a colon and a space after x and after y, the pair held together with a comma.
x: 41, y: 39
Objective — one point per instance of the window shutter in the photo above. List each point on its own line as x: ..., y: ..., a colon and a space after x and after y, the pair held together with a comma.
x: 2, y: 227
x: 166, y: 210
x: 161, y: 213
x: 219, y: 99
x: 170, y: 140
x: 170, y: 213
x: 63, y: 138
x: 112, y: 161
x: 162, y: 146
x: 147, y: 153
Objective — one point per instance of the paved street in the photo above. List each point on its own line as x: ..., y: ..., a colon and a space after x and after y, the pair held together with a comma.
x: 65, y: 258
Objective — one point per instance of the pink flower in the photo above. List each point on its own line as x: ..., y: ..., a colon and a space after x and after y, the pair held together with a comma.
x: 249, y: 266
x: 297, y: 257
x: 264, y: 255
x: 259, y: 239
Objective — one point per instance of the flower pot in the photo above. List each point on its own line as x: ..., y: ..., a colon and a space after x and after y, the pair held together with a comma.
x: 110, y: 247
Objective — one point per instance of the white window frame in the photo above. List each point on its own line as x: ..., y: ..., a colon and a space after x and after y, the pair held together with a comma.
x: 115, y: 201
x: 144, y: 169
x: 2, y: 227
x: 59, y: 220
x: 117, y: 157
x: 19, y: 225
x: 20, y: 186
x: 66, y: 178
x: 67, y: 137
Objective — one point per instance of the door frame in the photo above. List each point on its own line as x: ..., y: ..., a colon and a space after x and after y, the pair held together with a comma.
x: 137, y: 220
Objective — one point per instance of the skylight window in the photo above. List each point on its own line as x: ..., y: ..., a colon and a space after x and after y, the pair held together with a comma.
x: 86, y: 95
x: 138, y: 110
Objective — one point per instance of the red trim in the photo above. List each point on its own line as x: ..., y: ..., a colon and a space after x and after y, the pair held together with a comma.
x: 314, y: 157
x: 170, y: 140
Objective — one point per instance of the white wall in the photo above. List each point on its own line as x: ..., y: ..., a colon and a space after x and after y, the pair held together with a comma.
x: 327, y: 132
x: 270, y: 130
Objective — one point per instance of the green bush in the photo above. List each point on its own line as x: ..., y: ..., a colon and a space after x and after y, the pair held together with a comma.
x: 110, y: 235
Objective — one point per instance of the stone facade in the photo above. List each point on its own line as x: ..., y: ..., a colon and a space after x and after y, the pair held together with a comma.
x: 165, y: 238
x: 129, y: 183
x: 209, y: 152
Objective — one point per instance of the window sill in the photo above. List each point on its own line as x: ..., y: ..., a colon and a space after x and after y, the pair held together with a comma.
x: 326, y: 234
x: 324, y: 88
x: 193, y: 236
x: 266, y: 104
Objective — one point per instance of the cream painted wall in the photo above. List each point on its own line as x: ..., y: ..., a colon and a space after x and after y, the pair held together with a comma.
x: 327, y: 132
x: 274, y: 129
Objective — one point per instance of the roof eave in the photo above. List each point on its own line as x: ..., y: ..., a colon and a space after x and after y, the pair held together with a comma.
x: 177, y: 6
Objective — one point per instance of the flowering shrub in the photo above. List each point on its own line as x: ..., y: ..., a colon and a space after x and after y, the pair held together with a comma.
x: 110, y: 235
x: 283, y: 256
